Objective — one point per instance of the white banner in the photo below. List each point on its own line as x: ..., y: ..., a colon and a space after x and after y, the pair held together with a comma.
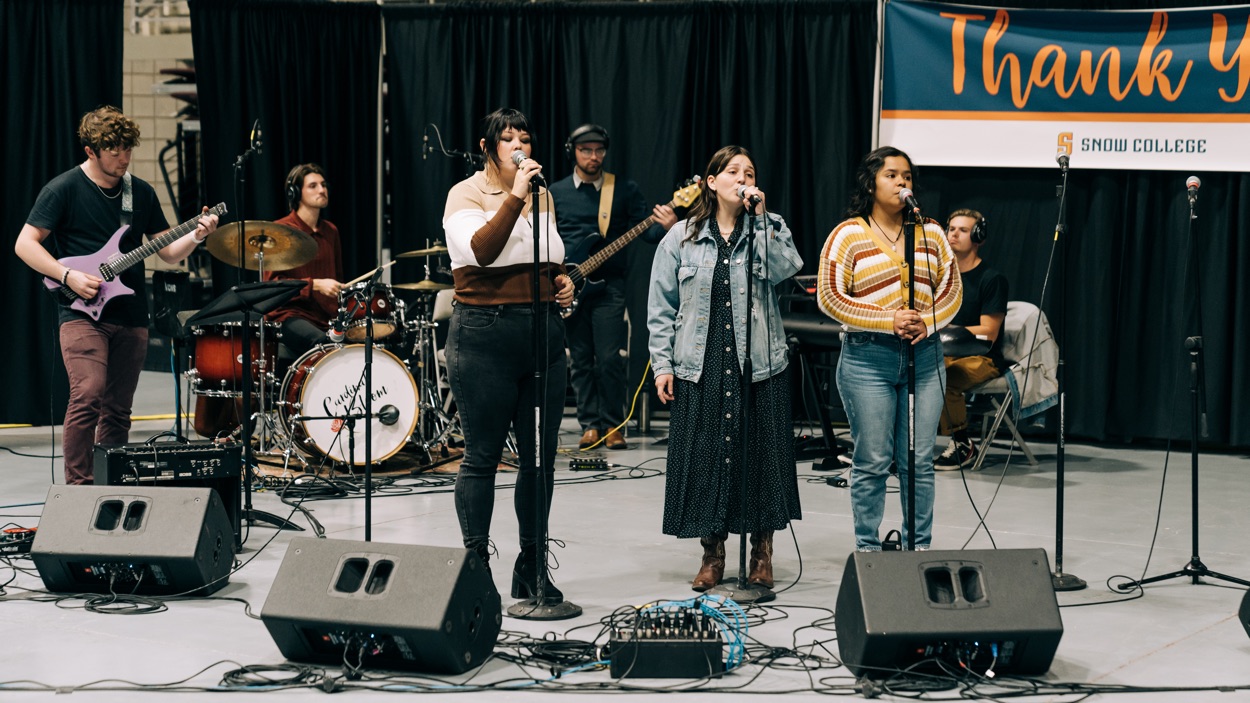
x: 1162, y: 90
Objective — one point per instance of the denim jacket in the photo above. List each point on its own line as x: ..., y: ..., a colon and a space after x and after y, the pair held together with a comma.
x: 680, y: 301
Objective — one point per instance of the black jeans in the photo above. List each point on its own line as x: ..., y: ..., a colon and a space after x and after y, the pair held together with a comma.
x: 597, y: 336
x: 490, y: 365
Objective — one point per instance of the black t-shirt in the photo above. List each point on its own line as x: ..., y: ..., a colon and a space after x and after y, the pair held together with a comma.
x: 82, y: 218
x: 985, y: 293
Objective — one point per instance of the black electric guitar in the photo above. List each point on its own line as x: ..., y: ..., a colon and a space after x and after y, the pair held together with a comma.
x: 109, y: 262
x: 587, y: 288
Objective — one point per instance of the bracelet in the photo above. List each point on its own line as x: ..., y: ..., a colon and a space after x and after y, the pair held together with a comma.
x: 65, y: 276
x: 197, y: 239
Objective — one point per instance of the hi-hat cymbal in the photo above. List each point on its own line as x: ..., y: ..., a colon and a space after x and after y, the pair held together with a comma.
x: 426, y: 285
x: 284, y: 247
x: 436, y: 250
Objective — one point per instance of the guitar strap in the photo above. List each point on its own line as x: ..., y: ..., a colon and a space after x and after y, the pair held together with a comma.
x: 128, y: 200
x: 605, y: 202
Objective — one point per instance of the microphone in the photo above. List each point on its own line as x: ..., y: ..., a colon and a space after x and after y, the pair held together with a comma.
x: 1192, y: 184
x: 336, y: 334
x: 519, y: 156
x: 425, y: 145
x: 1062, y: 159
x: 910, y: 198
x: 754, y: 198
x: 388, y: 415
x: 256, y: 136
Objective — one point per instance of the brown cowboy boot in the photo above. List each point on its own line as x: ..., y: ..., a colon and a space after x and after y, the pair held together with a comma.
x: 762, y: 558
x: 713, y: 569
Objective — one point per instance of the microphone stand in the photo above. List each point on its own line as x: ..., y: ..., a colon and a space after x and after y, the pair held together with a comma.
x: 1059, y: 580
x: 249, y: 515
x: 367, y: 294
x: 742, y: 590
x: 1195, y: 569
x: 910, y: 219
x: 537, y: 608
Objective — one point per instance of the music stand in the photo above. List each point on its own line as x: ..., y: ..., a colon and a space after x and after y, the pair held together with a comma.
x: 240, y: 303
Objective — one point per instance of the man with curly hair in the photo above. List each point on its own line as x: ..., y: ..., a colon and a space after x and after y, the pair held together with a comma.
x: 80, y: 210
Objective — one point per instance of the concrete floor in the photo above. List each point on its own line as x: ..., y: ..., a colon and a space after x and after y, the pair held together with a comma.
x: 613, y: 554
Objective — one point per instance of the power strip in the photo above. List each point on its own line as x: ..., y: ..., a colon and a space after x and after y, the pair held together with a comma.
x: 578, y: 463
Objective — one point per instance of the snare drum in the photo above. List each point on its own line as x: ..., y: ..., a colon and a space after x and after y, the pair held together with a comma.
x: 328, y: 381
x: 216, y: 367
x: 388, y: 314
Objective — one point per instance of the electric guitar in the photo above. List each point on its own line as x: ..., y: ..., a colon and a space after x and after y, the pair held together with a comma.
x: 585, y: 288
x: 108, y: 263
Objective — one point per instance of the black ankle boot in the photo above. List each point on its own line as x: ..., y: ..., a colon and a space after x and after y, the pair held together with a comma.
x: 483, y: 551
x: 525, y: 579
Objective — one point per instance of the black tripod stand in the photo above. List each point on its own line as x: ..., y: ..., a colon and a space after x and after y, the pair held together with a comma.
x: 242, y: 302
x: 1195, y: 569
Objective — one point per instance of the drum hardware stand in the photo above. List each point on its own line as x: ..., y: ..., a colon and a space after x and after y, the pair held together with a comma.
x: 434, y: 424
x: 1195, y: 569
x: 742, y: 590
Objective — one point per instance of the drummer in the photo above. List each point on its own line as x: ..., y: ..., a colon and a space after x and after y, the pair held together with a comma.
x: 306, y: 318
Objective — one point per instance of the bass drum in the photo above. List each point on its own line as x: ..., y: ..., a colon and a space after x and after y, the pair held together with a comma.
x: 328, y: 382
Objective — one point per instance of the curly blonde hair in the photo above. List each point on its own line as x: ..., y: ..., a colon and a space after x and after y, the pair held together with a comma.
x: 107, y: 128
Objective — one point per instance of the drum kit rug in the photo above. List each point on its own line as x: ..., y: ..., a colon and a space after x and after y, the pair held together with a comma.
x: 306, y: 408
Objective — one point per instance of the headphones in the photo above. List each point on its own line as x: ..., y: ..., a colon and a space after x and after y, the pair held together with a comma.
x: 979, y: 231
x: 588, y: 128
x: 295, y: 183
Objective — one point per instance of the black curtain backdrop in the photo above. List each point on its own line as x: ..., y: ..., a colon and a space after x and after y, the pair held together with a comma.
x: 52, y: 70
x: 670, y: 82
x: 309, y: 72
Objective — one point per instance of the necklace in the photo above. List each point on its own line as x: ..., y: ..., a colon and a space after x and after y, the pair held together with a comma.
x: 879, y: 229
x: 110, y: 197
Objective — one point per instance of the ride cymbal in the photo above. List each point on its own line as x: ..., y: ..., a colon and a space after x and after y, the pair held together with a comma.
x: 284, y: 247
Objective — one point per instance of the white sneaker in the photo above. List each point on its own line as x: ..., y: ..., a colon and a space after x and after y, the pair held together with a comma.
x: 957, y: 456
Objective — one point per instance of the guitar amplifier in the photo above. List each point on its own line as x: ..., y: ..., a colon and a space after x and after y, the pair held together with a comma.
x: 168, y: 464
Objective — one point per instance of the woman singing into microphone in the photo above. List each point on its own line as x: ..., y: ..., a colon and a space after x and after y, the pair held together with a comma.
x: 490, y: 237
x: 863, y: 283
x: 697, y: 319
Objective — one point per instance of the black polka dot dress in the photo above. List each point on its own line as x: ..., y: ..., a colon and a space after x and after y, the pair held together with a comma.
x: 702, y: 495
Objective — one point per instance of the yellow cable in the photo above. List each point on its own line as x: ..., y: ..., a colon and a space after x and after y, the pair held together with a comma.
x: 633, y: 404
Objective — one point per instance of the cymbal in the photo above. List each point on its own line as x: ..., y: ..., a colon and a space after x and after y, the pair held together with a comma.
x: 284, y: 247
x: 436, y: 250
x: 426, y: 285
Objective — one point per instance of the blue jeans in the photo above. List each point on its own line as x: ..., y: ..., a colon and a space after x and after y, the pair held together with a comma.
x: 491, y: 371
x: 872, y: 381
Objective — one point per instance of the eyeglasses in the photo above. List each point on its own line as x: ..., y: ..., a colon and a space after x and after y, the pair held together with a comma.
x: 587, y: 151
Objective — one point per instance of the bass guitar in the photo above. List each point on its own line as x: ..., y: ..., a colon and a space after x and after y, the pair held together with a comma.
x: 586, y: 288
x: 109, y: 262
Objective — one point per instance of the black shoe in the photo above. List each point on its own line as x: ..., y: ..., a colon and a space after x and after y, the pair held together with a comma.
x: 958, y: 454
x: 525, y: 580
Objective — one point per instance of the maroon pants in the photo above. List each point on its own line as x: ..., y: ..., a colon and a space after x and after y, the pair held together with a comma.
x: 103, y: 362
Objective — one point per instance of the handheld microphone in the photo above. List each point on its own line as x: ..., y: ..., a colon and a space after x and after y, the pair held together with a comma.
x: 1062, y: 159
x: 910, y: 199
x: 754, y: 198
x: 388, y: 415
x: 519, y: 156
x: 1192, y: 184
x: 336, y: 334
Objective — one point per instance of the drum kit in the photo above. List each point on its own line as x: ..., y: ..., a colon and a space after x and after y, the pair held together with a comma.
x: 304, y: 409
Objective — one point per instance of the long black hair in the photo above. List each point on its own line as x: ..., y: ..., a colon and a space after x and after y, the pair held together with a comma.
x: 862, y: 193
x: 704, y: 206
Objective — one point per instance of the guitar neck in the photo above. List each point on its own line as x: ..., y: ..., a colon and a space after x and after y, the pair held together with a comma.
x: 134, y: 256
x: 588, y: 266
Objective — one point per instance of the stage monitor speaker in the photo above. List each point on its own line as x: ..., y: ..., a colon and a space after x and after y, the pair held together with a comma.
x: 1245, y: 612
x: 133, y: 539
x: 977, y: 608
x: 383, y: 606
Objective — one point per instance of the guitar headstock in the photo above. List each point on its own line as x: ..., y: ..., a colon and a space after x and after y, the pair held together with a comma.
x: 685, y: 196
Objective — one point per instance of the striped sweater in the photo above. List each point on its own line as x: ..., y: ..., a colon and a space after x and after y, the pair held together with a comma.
x: 861, y: 281
x: 490, y: 238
